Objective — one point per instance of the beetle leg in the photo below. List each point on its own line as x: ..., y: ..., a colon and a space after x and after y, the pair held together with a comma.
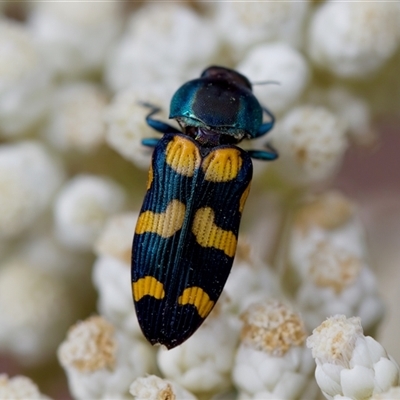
x: 157, y: 125
x: 267, y: 126
x: 264, y: 155
x: 150, y: 142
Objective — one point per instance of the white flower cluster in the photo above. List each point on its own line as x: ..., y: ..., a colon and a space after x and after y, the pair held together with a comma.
x: 154, y: 388
x: 327, y: 252
x: 25, y: 80
x: 272, y: 360
x: 244, y: 24
x: 30, y: 304
x: 29, y: 178
x: 19, y: 388
x: 112, y: 274
x: 76, y: 121
x: 77, y: 81
x: 203, y: 364
x: 351, y: 109
x: 82, y: 207
x: 74, y: 37
x: 100, y: 362
x: 353, y: 39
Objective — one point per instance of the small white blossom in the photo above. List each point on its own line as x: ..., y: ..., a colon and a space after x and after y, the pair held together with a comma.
x: 144, y: 55
x: 31, y: 322
x: 76, y: 121
x: 112, y: 273
x: 244, y: 24
x: 100, y: 362
x: 82, y: 207
x: 29, y: 177
x: 25, y: 80
x: 392, y: 394
x: 327, y: 252
x: 75, y: 37
x: 203, y: 363
x: 351, y: 109
x: 19, y: 388
x: 349, y: 363
x: 154, y: 388
x: 43, y: 250
x: 272, y: 361
x: 280, y: 63
x: 126, y: 123
x: 311, y: 142
x: 353, y: 39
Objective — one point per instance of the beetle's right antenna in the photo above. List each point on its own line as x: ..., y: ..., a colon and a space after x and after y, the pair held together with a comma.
x: 265, y: 83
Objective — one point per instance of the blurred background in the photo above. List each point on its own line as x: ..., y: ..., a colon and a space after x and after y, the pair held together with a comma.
x: 71, y: 78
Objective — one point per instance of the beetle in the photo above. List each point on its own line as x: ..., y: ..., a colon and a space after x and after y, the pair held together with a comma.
x: 186, y: 234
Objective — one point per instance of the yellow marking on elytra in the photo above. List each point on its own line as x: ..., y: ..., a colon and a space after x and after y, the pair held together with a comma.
x: 164, y: 224
x: 182, y: 156
x: 243, y: 198
x: 222, y: 165
x: 210, y: 235
x: 148, y: 286
x: 199, y: 298
x: 150, y: 177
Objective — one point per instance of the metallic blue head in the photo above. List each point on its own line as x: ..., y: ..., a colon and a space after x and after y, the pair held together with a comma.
x: 220, y: 102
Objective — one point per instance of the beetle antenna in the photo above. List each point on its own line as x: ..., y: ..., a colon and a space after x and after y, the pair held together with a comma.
x: 265, y: 83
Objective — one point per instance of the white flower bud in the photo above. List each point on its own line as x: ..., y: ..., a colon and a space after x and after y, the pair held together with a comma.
x: 29, y: 178
x: 280, y: 63
x: 112, y: 273
x: 75, y: 37
x: 76, y: 121
x: 31, y: 324
x: 353, y: 39
x: 203, y: 363
x: 127, y: 127
x: 19, y: 388
x: 349, y: 363
x: 330, y: 216
x: 250, y: 280
x: 311, y: 143
x: 116, y: 237
x: 154, y: 388
x: 25, y: 81
x: 272, y: 360
x: 100, y: 362
x: 263, y: 229
x: 244, y: 24
x: 327, y: 252
x: 144, y: 56
x: 82, y: 207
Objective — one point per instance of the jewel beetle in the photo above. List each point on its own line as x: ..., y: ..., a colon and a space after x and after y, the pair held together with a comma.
x: 187, y: 230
